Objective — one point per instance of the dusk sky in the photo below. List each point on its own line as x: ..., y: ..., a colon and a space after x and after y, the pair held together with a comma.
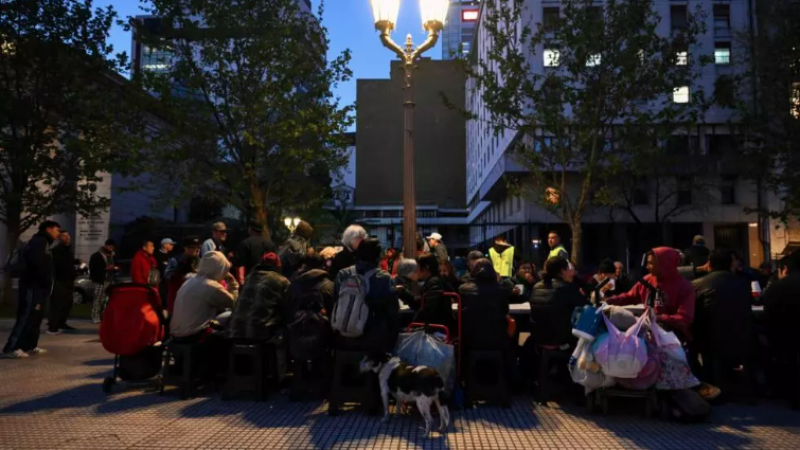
x: 349, y: 24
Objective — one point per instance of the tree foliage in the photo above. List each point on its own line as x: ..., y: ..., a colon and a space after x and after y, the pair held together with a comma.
x: 613, y: 76
x: 246, y: 90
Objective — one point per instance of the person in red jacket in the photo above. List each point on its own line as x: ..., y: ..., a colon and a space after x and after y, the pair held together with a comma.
x: 676, y: 309
x: 143, y: 262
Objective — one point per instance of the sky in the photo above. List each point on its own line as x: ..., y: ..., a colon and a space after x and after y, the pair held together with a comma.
x: 349, y: 24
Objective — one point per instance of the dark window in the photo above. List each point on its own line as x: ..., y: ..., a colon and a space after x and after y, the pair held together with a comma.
x: 722, y: 17
x: 720, y: 144
x: 727, y: 190
x: 550, y: 18
x: 684, y: 191
x: 678, y: 18
x: 724, y: 90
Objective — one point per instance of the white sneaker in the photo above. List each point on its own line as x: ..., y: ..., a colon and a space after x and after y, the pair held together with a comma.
x: 54, y: 333
x: 38, y: 351
x: 16, y: 354
x: 96, y: 322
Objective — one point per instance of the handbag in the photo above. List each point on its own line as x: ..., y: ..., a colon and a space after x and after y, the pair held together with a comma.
x: 154, y: 277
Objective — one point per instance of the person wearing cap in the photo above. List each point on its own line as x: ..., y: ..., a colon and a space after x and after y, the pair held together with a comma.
x: 162, y: 256
x: 216, y: 243
x: 437, y: 247
x: 502, y: 256
x: 697, y: 255
x: 181, y: 268
x: 250, y: 252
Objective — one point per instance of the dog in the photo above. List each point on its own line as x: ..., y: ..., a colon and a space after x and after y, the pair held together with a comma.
x: 421, y: 385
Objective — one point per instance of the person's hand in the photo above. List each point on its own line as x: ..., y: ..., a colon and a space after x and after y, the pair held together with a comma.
x: 516, y: 291
x: 606, y: 288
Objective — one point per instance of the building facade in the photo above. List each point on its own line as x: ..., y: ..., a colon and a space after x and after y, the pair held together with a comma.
x: 459, y: 28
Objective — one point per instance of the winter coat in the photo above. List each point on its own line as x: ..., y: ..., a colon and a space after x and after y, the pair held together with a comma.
x: 677, y: 310
x: 484, y: 311
x: 64, y: 265
x: 390, y: 265
x: 178, y: 271
x: 437, y: 308
x: 294, y: 250
x: 260, y: 312
x: 201, y: 298
x: 39, y: 269
x: 723, y: 323
x: 381, y: 329
x: 313, y: 281
x: 781, y: 310
x: 98, y: 267
x: 552, y: 304
x: 141, y: 265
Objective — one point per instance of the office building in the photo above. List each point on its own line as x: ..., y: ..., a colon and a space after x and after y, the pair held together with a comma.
x: 459, y: 28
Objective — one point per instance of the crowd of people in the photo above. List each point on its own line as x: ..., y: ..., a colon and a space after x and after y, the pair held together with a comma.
x: 260, y: 292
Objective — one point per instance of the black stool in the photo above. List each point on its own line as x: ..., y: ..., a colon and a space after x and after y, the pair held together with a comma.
x: 310, y: 377
x: 601, y: 397
x: 349, y: 384
x: 546, y: 356
x: 246, y: 371
x: 481, y: 385
x: 178, y: 369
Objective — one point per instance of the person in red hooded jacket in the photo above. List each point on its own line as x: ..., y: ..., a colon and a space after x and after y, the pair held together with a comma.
x: 143, y: 262
x: 676, y: 311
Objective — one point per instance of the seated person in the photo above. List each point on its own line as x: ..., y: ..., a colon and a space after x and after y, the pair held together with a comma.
x: 181, y: 268
x: 405, y: 283
x: 381, y: 329
x: 676, y: 309
x: 472, y: 258
x: 484, y: 310
x: 606, y: 270
x: 432, y: 307
x: 553, y: 301
x: 260, y: 312
x: 311, y: 279
x: 202, y: 298
x: 781, y: 310
x: 521, y: 284
x: 447, y: 272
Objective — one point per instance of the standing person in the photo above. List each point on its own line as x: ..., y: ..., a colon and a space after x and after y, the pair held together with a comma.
x: 216, y: 243
x: 35, y: 288
x: 180, y: 269
x: 556, y: 248
x: 63, y: 285
x: 781, y: 310
x: 351, y: 239
x: 250, y: 252
x: 162, y: 256
x: 296, y: 248
x: 502, y: 256
x: 390, y: 260
x: 101, y: 271
x: 697, y: 255
x: 143, y: 264
x: 436, y: 244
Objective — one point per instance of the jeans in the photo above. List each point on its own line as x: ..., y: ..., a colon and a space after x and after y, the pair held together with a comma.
x: 30, y: 312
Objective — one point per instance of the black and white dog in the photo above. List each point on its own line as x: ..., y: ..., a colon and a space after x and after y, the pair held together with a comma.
x: 421, y: 385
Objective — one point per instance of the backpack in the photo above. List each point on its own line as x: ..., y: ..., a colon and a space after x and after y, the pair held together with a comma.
x: 351, y: 312
x: 309, y: 330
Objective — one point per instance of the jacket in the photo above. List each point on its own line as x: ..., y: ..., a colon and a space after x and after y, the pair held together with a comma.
x: 39, y: 269
x: 552, y: 305
x: 178, y: 271
x: 433, y: 307
x: 141, y: 265
x: 503, y: 261
x: 260, y: 311
x: 201, y: 298
x: 210, y: 245
x: 64, y: 265
x: 342, y: 260
x: 385, y: 263
x: 781, y: 310
x: 696, y: 255
x: 406, y: 293
x: 315, y: 281
x: 677, y: 310
x: 292, y: 253
x: 98, y: 267
x: 381, y: 329
x: 251, y: 250
x: 723, y: 323
x: 559, y: 250
x: 441, y: 252
x: 484, y: 312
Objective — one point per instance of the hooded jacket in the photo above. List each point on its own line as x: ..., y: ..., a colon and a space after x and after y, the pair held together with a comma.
x: 677, y: 310
x: 260, y: 311
x: 201, y: 298
x: 141, y: 265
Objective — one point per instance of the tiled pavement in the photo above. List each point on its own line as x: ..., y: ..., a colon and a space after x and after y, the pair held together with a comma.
x: 55, y: 402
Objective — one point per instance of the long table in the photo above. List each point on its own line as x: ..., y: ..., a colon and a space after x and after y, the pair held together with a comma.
x: 525, y: 309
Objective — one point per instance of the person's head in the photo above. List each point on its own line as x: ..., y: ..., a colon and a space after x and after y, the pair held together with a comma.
x: 663, y: 262
x: 699, y: 241
x: 500, y: 241
x: 148, y: 246
x: 255, y: 229
x: 483, y: 271
x: 407, y: 268
x: 765, y: 268
x: 167, y: 245
x: 428, y: 266
x: 220, y: 232
x: 270, y: 262
x: 559, y: 267
x: 619, y: 268
x: 352, y: 237
x: 721, y: 260
x: 789, y: 264
x: 65, y: 238
x: 213, y: 265
x: 391, y: 253
x: 109, y: 246
x: 446, y: 268
x: 553, y: 239
x: 191, y: 246
x: 50, y: 228
x: 527, y: 272
x: 369, y: 251
x: 434, y: 239
x: 472, y: 257
x: 607, y: 269
x: 304, y: 230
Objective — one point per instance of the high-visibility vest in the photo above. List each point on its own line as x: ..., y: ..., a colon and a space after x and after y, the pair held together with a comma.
x: 557, y: 252
x: 503, y: 262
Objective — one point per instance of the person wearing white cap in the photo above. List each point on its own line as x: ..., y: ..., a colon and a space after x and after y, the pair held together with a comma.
x: 437, y: 247
x: 162, y: 257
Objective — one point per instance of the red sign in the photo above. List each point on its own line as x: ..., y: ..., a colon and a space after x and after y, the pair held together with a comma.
x: 469, y: 15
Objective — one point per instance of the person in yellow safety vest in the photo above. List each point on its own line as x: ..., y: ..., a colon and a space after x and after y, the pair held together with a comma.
x: 502, y: 256
x: 556, y: 249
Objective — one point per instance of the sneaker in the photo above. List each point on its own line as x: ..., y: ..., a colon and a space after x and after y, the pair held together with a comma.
x: 96, y: 321
x: 37, y: 351
x: 66, y: 327
x: 708, y: 392
x: 16, y: 354
x: 53, y: 332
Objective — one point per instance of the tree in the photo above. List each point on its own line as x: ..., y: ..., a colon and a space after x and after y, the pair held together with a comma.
x: 60, y: 124
x: 606, y: 70
x: 246, y: 89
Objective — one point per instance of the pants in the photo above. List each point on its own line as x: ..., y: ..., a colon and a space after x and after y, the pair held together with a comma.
x: 60, y: 304
x: 100, y: 300
x: 30, y: 312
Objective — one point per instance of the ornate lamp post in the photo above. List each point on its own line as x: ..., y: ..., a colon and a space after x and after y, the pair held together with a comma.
x: 291, y: 224
x: 385, y: 13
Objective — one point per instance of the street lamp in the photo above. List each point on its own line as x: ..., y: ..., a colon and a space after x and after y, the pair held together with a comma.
x: 291, y: 223
x: 385, y: 13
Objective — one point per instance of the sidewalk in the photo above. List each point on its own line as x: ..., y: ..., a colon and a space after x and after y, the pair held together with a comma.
x: 55, y: 402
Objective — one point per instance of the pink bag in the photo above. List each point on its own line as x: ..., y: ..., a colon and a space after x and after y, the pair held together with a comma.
x: 622, y: 355
x: 648, y: 376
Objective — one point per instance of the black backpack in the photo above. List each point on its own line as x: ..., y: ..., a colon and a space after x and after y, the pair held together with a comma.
x: 309, y: 330
x: 17, y: 264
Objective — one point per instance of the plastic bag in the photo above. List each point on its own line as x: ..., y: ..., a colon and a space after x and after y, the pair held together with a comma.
x: 648, y: 376
x: 667, y: 341
x: 418, y: 348
x: 675, y: 373
x: 621, y: 355
x: 585, y: 371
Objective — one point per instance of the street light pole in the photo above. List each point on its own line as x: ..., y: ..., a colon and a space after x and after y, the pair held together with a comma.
x: 433, y: 24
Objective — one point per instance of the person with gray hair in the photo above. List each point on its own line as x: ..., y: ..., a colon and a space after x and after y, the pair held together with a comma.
x: 406, y: 280
x: 351, y: 239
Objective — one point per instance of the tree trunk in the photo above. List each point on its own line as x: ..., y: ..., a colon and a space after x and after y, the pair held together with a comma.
x: 258, y: 205
x: 12, y: 236
x: 577, y: 242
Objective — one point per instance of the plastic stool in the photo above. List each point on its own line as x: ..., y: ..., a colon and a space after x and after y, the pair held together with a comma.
x: 246, y: 370
x: 349, y: 384
x: 481, y: 388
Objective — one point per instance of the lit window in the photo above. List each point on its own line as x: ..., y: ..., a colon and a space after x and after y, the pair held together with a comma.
x: 551, y: 57
x: 682, y: 58
x: 796, y: 100
x: 593, y: 60
x: 681, y: 94
x: 722, y: 53
x: 469, y: 15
